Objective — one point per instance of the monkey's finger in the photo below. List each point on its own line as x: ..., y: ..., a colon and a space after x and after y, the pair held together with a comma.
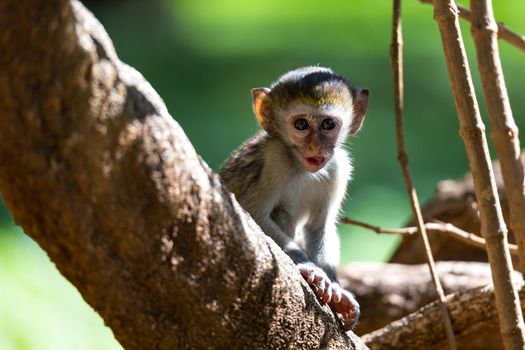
x: 321, y: 285
x: 327, y: 295
x: 336, y: 295
x: 308, y: 275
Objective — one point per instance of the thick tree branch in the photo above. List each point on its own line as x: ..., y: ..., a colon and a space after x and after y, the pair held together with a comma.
x: 97, y: 172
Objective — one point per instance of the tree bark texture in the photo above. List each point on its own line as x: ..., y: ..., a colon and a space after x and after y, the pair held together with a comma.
x: 96, y: 171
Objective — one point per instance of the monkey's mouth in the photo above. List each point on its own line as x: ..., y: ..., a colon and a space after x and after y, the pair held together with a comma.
x: 315, y: 161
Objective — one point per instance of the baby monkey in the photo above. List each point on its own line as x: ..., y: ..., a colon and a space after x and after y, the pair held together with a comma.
x: 292, y: 175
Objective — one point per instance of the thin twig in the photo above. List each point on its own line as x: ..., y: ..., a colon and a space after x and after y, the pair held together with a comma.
x: 396, y: 53
x: 504, y: 130
x: 504, y: 32
x: 472, y: 131
x: 440, y: 227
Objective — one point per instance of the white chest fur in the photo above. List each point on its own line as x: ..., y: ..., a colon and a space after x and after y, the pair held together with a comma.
x: 310, y: 200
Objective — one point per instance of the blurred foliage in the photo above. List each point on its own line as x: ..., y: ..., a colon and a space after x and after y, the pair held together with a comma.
x: 40, y: 309
x: 203, y: 57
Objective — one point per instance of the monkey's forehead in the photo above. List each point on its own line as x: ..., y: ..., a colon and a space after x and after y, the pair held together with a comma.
x: 318, y: 107
x: 329, y: 95
x: 341, y: 99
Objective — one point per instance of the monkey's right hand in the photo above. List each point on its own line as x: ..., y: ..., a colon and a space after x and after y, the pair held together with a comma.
x: 318, y: 280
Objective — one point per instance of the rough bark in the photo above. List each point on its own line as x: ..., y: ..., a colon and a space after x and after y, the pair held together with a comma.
x: 472, y: 131
x: 504, y: 130
x: 97, y: 172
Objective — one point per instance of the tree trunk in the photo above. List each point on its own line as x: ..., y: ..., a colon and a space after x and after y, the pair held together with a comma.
x: 97, y: 172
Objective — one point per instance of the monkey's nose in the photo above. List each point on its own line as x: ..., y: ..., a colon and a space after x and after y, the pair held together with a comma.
x: 315, y: 148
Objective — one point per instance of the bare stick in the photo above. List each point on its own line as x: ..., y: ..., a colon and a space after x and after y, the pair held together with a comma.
x: 504, y: 130
x: 504, y: 32
x: 444, y: 228
x: 396, y: 53
x: 493, y: 227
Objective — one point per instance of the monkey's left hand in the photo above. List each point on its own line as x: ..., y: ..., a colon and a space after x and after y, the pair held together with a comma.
x: 344, y: 303
x: 339, y: 299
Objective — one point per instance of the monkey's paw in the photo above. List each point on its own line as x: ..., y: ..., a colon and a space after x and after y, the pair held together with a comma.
x: 318, y: 280
x: 344, y: 303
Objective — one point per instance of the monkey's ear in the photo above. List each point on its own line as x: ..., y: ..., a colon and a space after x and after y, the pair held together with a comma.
x: 260, y: 106
x: 360, y: 96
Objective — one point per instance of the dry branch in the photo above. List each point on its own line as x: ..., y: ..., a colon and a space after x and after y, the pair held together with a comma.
x: 396, y: 53
x: 504, y: 32
x: 97, y: 172
x: 504, y: 130
x: 472, y: 131
x: 473, y: 315
x: 444, y: 228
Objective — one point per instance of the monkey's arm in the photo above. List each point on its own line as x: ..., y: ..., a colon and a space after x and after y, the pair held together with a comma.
x: 276, y: 223
x: 311, y: 272
x: 343, y: 301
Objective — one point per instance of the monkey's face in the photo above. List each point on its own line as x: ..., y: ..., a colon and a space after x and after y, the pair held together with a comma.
x: 314, y: 138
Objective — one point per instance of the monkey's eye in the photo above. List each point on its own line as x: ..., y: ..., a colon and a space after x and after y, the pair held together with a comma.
x: 328, y: 124
x: 300, y: 124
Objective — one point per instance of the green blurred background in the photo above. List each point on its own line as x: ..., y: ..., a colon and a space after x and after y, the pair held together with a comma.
x: 203, y: 57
